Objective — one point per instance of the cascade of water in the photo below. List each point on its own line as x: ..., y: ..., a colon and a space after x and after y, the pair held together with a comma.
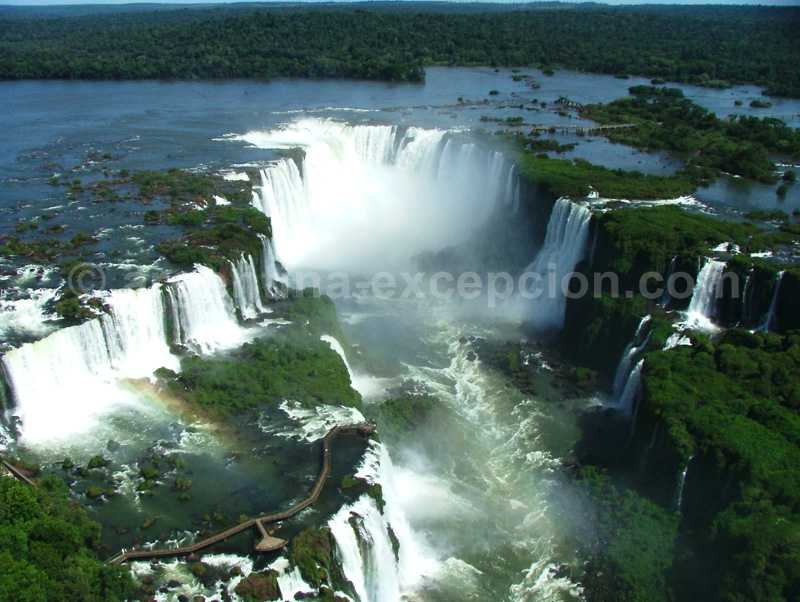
x: 675, y: 339
x: 682, y: 485
x: 205, y: 318
x: 564, y: 247
x: 769, y: 319
x: 375, y: 143
x: 666, y: 298
x: 421, y: 149
x: 511, y: 195
x: 81, y: 364
x: 631, y: 351
x: 364, y: 537
x: 282, y: 197
x: 365, y: 550
x: 370, y: 183
x: 628, y: 395
x: 246, y: 291
x: 276, y: 284
x: 704, y: 297
x: 747, y: 294
x: 364, y: 383
x: 337, y: 347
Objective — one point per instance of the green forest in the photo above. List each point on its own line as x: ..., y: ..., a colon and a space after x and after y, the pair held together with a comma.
x: 704, y: 45
x: 665, y: 120
x: 48, y: 548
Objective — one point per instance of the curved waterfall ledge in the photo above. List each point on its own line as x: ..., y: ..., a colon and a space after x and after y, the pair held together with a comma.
x: 130, y: 340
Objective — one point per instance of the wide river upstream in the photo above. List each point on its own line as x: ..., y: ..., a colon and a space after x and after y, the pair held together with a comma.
x: 393, y: 177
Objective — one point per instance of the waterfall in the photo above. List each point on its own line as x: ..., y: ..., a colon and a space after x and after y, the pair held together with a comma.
x: 628, y: 395
x: 204, y: 316
x: 747, y: 294
x: 682, y: 485
x: 365, y: 384
x: 675, y: 339
x: 370, y: 192
x: 282, y: 197
x: 705, y: 294
x: 64, y: 381
x: 769, y: 319
x: 421, y: 149
x: 365, y: 551
x: 633, y: 349
x: 511, y: 194
x: 375, y: 143
x: 276, y: 284
x: 666, y: 298
x: 246, y: 291
x: 337, y: 347
x: 564, y: 247
x: 364, y: 537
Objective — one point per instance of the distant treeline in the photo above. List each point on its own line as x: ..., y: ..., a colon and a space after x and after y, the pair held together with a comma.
x: 705, y: 45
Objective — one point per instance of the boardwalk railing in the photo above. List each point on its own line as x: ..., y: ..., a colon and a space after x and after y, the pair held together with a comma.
x: 17, y: 472
x: 268, y: 542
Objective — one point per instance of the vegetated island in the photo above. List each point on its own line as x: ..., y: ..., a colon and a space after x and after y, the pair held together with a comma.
x: 663, y: 119
x: 712, y: 46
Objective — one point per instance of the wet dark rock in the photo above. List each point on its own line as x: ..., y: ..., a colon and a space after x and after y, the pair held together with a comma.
x: 259, y: 586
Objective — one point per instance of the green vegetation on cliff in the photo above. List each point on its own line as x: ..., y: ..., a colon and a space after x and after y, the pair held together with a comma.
x: 633, y: 546
x: 708, y: 145
x: 578, y: 177
x: 633, y: 241
x: 706, y: 45
x: 217, y: 235
x: 213, y: 233
x: 291, y: 364
x: 48, y: 548
x: 732, y: 407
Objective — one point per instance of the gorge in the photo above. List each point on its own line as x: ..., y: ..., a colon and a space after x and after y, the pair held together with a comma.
x: 512, y: 440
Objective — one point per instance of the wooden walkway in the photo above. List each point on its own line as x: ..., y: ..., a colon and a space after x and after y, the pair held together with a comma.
x: 17, y: 473
x: 268, y: 543
x: 586, y: 129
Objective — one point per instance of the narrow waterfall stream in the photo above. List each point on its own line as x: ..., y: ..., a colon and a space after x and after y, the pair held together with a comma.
x: 704, y: 297
x: 769, y: 319
x: 564, y: 247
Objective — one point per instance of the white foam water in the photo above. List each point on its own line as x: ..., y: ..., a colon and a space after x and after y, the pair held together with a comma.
x: 769, y: 319
x: 702, y: 307
x: 363, y: 540
x: 63, y: 383
x: 371, y: 196
x: 368, y: 386
x: 627, y: 397
x: 202, y: 312
x: 633, y: 349
x: 26, y: 318
x: 290, y: 582
x: 564, y: 246
x: 276, y: 283
x: 315, y: 422
x: 246, y: 289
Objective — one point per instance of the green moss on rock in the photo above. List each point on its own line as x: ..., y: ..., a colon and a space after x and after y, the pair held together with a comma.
x: 298, y: 366
x: 311, y: 552
x: 259, y: 587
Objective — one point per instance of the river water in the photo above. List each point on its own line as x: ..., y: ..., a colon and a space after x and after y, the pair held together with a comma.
x: 390, y: 173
